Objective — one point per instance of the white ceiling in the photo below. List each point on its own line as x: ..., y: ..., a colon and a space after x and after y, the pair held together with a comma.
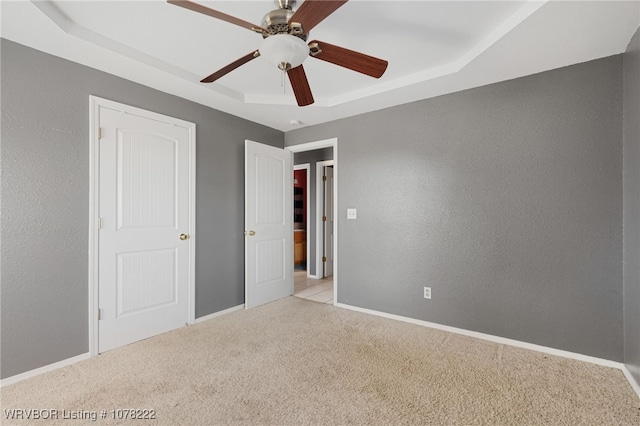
x: 433, y: 48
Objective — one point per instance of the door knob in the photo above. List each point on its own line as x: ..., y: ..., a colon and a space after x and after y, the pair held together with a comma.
x: 251, y: 233
x: 184, y: 237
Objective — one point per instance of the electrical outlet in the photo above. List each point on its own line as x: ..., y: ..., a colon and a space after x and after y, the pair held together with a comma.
x: 427, y: 292
x: 352, y: 214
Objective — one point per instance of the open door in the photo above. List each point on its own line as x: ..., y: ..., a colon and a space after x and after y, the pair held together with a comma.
x: 327, y: 221
x: 268, y: 224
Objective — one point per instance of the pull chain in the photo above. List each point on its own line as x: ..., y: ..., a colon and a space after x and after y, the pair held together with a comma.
x: 284, y: 88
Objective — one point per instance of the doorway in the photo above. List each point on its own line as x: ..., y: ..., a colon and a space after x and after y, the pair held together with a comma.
x: 313, y: 284
x: 301, y: 204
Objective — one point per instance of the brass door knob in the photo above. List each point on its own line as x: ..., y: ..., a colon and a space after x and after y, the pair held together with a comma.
x: 251, y: 233
x: 184, y: 237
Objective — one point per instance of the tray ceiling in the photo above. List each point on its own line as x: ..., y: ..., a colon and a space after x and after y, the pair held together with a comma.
x: 433, y: 48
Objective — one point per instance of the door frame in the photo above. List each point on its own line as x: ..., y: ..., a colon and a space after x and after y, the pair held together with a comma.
x: 320, y: 165
x: 312, y: 146
x: 307, y: 168
x: 95, y: 103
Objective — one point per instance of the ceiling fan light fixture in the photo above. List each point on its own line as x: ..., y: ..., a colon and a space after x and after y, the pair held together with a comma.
x: 284, y: 51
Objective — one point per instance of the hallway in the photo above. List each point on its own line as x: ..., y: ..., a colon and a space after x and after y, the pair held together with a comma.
x: 312, y: 289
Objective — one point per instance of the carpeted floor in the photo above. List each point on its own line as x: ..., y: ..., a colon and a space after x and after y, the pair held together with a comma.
x: 296, y: 362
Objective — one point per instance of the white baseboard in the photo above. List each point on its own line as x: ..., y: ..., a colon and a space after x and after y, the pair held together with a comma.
x: 36, y: 372
x: 496, y: 339
x: 491, y: 338
x: 219, y: 313
x: 632, y: 380
x: 69, y: 361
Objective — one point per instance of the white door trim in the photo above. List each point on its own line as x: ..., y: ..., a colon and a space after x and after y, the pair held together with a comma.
x: 95, y: 103
x: 320, y: 165
x: 307, y: 167
x: 310, y: 146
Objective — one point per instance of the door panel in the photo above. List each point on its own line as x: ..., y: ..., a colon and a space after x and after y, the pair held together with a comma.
x: 146, y: 180
x: 269, y: 265
x: 144, y: 207
x: 268, y: 224
x: 145, y: 280
x: 269, y: 195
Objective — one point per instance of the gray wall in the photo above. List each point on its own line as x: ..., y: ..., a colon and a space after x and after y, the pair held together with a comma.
x: 45, y: 201
x: 631, y: 226
x: 312, y: 157
x: 505, y: 199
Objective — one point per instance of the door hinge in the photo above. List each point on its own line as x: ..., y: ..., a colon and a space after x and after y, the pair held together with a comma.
x: 324, y: 218
x: 324, y: 178
x: 99, y: 223
x: 324, y: 258
x: 99, y: 133
x: 99, y: 314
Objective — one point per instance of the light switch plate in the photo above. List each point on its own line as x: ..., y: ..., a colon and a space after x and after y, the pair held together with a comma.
x: 352, y: 214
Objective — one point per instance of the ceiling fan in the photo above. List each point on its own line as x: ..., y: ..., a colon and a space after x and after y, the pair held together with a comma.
x: 284, y: 34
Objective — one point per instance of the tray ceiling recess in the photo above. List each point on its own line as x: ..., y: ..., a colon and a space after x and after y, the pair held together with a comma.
x: 374, y: 54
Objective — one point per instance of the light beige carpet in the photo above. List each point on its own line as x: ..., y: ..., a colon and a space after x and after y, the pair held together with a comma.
x: 296, y: 362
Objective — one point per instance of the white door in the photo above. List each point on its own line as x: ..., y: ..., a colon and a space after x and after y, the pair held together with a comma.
x: 268, y: 224
x: 328, y: 223
x: 144, y: 204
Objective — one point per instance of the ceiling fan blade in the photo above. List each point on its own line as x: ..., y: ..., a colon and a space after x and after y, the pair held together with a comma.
x: 232, y: 66
x: 350, y: 59
x: 300, y: 86
x: 188, y: 4
x: 312, y: 12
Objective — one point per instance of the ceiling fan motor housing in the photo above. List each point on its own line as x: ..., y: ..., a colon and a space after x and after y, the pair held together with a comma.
x: 277, y: 22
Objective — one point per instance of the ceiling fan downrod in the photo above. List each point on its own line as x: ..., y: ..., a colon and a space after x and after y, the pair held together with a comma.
x: 285, y: 4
